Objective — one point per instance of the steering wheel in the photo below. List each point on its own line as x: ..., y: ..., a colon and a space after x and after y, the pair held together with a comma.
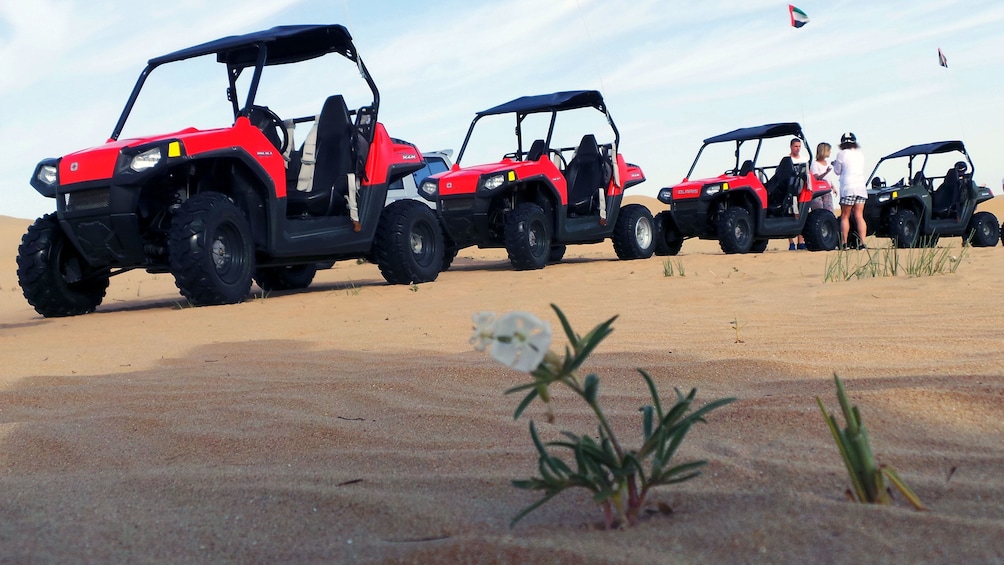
x: 271, y: 125
x: 561, y: 158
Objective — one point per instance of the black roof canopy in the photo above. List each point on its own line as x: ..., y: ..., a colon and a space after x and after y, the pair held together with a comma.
x: 757, y: 132
x: 928, y: 148
x: 568, y: 100
x: 285, y: 44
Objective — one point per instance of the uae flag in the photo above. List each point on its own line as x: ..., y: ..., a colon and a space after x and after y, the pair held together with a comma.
x: 798, y: 17
x: 941, y: 59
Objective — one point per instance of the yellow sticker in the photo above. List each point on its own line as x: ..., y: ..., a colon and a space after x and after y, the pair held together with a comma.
x: 895, y: 194
x: 174, y: 149
x: 512, y: 175
x: 725, y: 186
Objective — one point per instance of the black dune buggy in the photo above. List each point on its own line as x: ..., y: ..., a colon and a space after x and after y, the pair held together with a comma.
x: 219, y: 207
x: 751, y: 202
x: 555, y: 187
x: 935, y: 196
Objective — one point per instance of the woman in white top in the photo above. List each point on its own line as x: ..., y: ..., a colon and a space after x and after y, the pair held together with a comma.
x: 822, y: 170
x: 850, y: 165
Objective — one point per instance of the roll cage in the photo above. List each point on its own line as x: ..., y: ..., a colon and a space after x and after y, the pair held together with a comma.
x: 758, y: 133
x: 276, y: 46
x: 924, y: 150
x: 543, y: 103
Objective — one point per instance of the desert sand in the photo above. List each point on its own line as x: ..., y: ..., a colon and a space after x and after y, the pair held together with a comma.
x: 352, y: 422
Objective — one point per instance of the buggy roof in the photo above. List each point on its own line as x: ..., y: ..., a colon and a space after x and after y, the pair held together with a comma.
x: 927, y: 148
x: 569, y: 100
x: 284, y: 44
x: 757, y: 132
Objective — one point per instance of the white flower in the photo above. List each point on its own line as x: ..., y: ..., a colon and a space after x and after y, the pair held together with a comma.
x: 484, y: 330
x: 521, y: 341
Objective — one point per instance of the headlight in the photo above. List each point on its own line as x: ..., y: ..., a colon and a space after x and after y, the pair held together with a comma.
x: 713, y: 189
x: 429, y: 189
x: 48, y: 174
x: 884, y: 197
x: 666, y: 195
x: 494, y: 181
x: 145, y: 160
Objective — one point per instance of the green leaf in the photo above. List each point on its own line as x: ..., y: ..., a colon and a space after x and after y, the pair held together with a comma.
x: 526, y: 402
x: 652, y: 391
x: 589, y: 343
x: 521, y: 387
x: 902, y: 488
x: 573, y: 338
x: 532, y: 507
x: 591, y: 388
x: 646, y: 422
x: 842, y: 446
x: 699, y: 413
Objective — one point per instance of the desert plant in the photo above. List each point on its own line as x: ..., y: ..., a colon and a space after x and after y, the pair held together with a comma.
x: 867, y: 477
x: 351, y: 289
x: 736, y: 326
x: 619, y: 479
x: 889, y: 262
x: 667, y: 268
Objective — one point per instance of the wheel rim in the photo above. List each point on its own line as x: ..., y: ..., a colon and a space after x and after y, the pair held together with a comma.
x: 228, y: 260
x: 67, y: 264
x: 419, y: 240
x: 535, y: 239
x: 417, y: 243
x: 742, y: 231
x: 643, y: 233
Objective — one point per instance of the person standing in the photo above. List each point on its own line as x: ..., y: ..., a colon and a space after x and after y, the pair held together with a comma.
x: 795, y: 152
x: 822, y: 170
x: 850, y: 165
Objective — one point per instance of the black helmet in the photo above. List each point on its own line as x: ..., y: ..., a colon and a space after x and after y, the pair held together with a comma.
x: 848, y: 138
x: 961, y: 167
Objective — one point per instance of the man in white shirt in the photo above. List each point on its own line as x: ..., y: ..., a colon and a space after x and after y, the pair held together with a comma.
x: 796, y: 157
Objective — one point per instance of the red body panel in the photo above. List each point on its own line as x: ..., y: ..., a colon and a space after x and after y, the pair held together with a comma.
x: 98, y: 163
x: 689, y: 189
x: 460, y: 181
x: 384, y: 153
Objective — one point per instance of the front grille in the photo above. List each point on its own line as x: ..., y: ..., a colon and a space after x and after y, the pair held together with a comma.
x: 87, y: 200
x: 453, y: 204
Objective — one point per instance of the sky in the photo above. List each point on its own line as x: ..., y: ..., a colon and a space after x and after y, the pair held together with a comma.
x: 672, y: 72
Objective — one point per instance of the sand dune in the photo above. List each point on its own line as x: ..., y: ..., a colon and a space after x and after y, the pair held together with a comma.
x: 352, y: 422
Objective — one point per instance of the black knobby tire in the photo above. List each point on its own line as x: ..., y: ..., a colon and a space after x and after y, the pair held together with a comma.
x: 54, y: 278
x: 735, y: 230
x: 211, y: 250
x: 821, y: 231
x: 668, y: 239
x: 634, y: 233
x: 983, y: 230
x: 527, y: 237
x: 448, y: 256
x: 556, y: 254
x: 408, y: 245
x: 759, y: 245
x: 290, y: 277
x: 904, y: 229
